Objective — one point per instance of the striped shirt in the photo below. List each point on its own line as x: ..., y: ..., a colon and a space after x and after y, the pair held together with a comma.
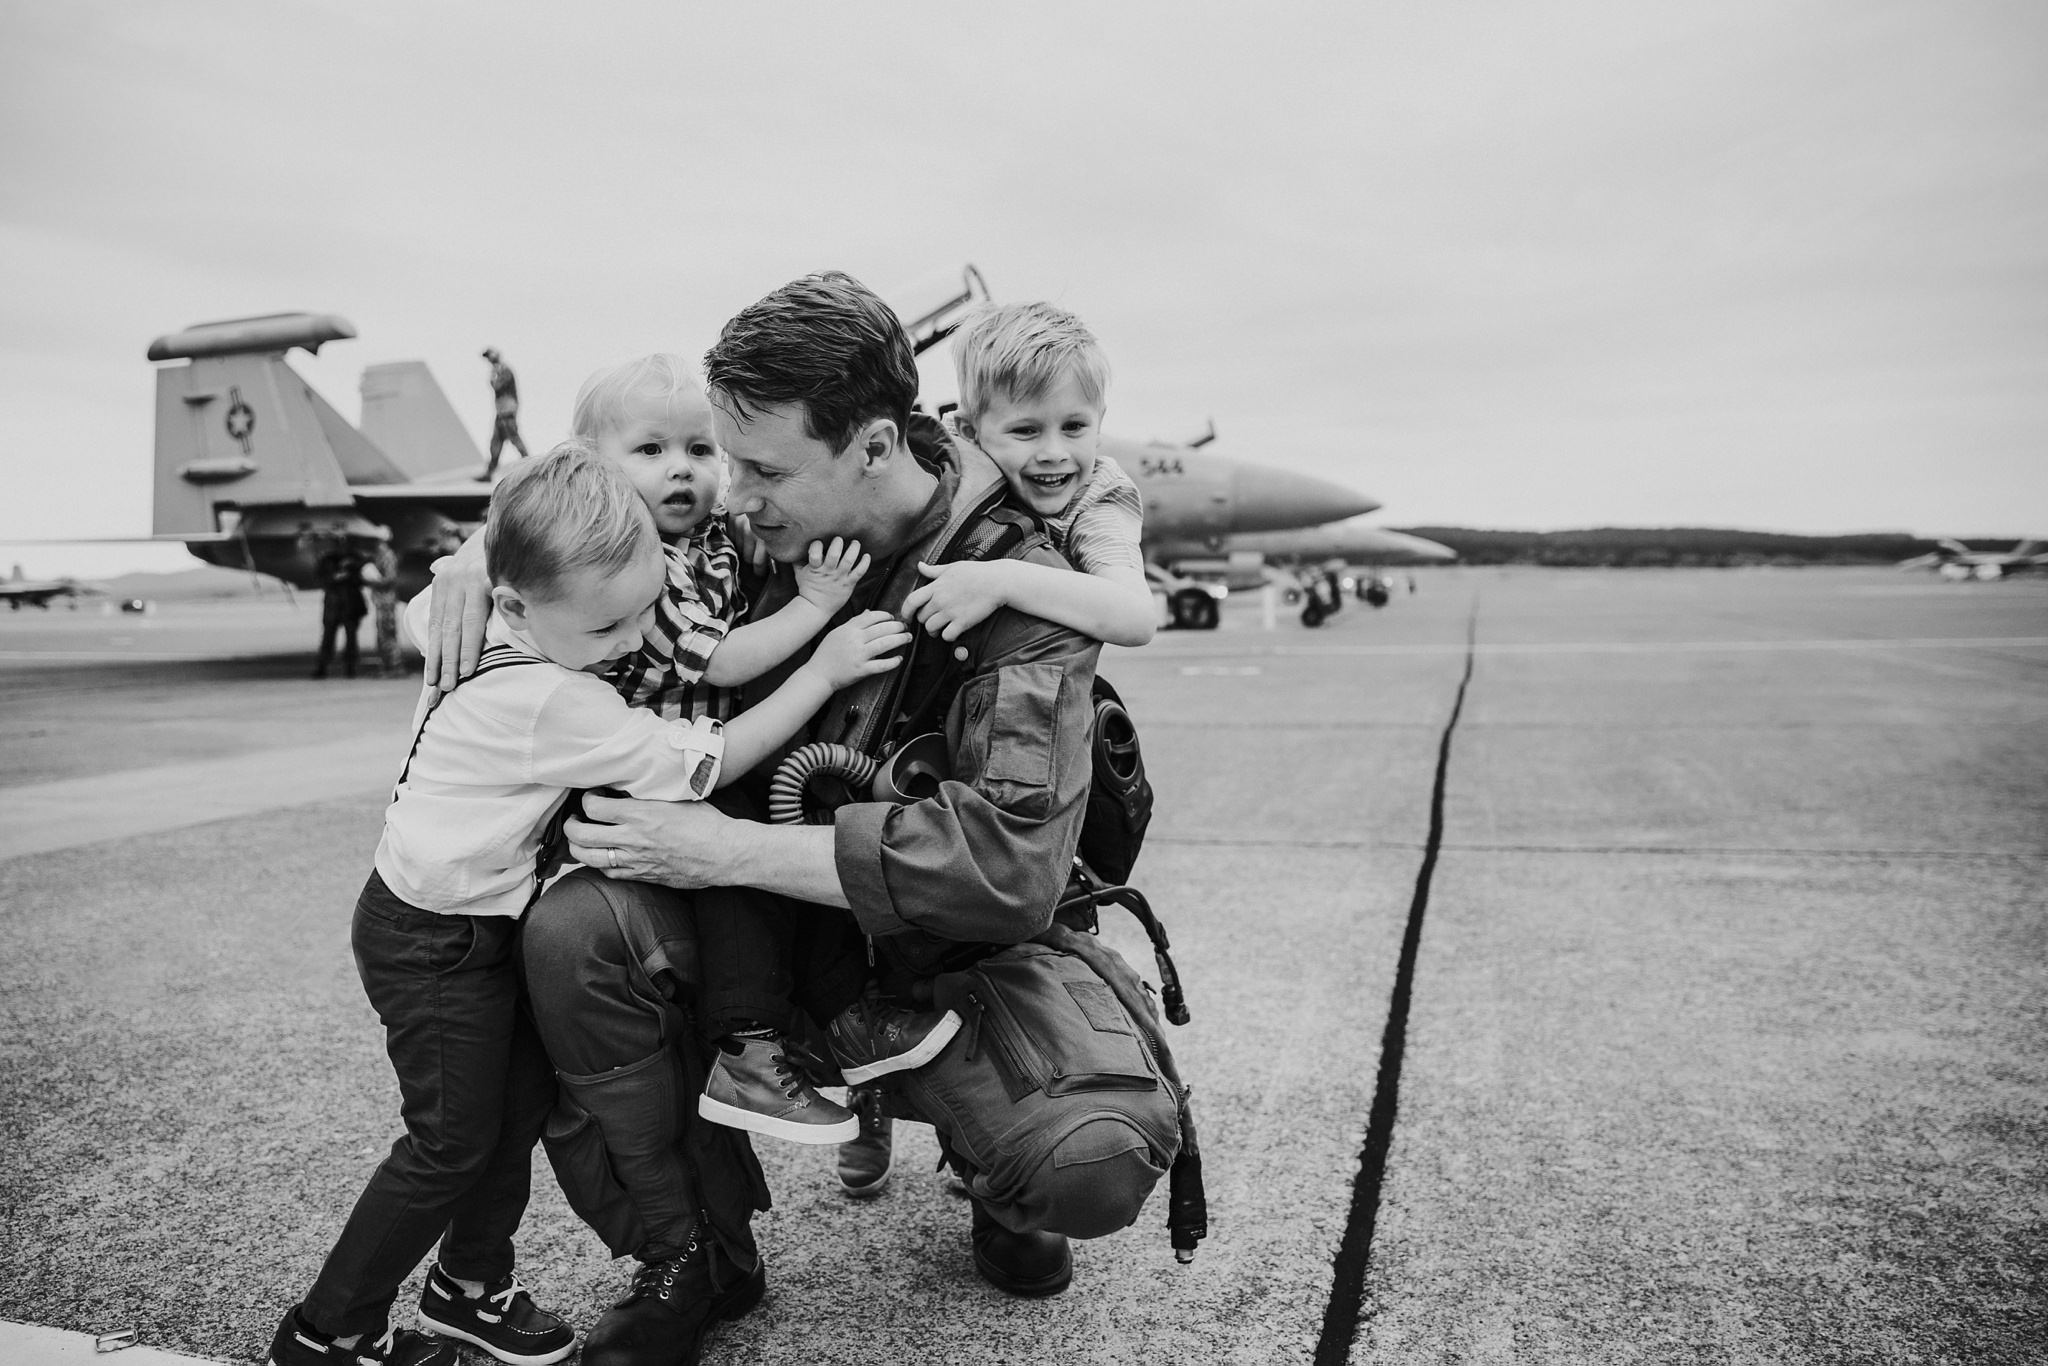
x: 703, y: 601
x: 1102, y: 528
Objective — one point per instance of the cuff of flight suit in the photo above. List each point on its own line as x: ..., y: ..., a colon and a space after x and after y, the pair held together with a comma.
x: 857, y: 850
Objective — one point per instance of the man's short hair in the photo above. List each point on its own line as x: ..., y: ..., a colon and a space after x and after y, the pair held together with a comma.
x: 826, y: 341
x: 601, y: 402
x: 571, y: 509
x: 1022, y: 350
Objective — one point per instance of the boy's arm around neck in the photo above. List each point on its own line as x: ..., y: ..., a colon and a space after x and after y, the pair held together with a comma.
x: 1113, y: 606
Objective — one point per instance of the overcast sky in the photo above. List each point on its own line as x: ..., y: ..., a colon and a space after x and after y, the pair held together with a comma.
x: 1752, y: 263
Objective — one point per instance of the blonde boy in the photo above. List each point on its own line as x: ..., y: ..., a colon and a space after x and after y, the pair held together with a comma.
x: 1033, y: 383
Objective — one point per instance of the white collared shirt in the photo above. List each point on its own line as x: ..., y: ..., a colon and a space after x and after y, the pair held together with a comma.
x: 496, y: 758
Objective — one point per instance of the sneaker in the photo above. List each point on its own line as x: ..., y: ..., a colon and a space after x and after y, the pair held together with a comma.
x: 864, y: 1162
x: 298, y: 1343
x: 872, y: 1038
x: 756, y: 1086
x: 504, y: 1320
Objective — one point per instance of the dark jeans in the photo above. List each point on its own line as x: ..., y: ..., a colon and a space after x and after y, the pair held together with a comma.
x: 334, y: 622
x: 476, y: 1090
x: 759, y: 957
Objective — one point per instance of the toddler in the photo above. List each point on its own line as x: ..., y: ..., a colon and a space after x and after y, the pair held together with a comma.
x: 650, y: 418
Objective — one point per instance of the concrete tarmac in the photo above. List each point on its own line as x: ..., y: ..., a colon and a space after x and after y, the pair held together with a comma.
x: 1585, y: 966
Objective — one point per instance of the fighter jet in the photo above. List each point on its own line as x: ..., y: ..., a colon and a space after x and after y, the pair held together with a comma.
x: 38, y: 592
x: 1953, y: 560
x: 255, y: 470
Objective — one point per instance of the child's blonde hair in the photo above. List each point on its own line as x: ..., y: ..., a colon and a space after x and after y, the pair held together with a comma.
x: 571, y: 509
x: 1022, y: 350
x: 601, y: 402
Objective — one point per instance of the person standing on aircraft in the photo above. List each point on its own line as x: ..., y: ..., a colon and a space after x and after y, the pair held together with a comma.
x: 505, y: 402
x: 577, y: 570
x: 340, y: 572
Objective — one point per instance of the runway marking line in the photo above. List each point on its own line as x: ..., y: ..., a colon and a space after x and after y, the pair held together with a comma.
x: 66, y: 813
x: 133, y: 656
x: 1630, y: 647
x: 1201, y: 841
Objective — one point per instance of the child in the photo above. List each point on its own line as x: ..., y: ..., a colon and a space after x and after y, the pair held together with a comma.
x: 1032, y: 384
x: 576, y: 569
x: 650, y: 417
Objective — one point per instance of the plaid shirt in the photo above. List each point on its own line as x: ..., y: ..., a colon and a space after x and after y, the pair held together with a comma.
x: 703, y: 601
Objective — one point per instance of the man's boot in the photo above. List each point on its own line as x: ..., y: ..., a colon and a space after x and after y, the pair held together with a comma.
x: 1027, y: 1264
x: 663, y: 1316
x: 865, y: 1160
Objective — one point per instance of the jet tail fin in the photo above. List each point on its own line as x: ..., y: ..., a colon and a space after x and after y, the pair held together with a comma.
x: 408, y: 418
x: 240, y: 430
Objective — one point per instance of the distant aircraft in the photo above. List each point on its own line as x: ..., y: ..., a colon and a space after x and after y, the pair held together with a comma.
x: 38, y: 592
x: 253, y: 466
x: 1953, y: 560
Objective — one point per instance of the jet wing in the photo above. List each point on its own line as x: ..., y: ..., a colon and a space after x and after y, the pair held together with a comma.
x: 461, y: 501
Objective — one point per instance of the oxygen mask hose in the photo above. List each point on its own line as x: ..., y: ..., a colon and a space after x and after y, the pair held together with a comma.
x: 786, y: 788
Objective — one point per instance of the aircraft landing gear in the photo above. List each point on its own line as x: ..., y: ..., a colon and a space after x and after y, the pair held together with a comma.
x: 1375, y: 594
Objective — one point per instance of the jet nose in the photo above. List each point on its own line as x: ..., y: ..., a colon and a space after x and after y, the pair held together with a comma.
x: 1278, y: 500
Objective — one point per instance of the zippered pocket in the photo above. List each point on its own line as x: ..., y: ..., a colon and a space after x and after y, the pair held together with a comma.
x: 1054, y: 1026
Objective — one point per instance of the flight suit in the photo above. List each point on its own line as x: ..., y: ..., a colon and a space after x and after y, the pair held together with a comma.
x: 934, y: 884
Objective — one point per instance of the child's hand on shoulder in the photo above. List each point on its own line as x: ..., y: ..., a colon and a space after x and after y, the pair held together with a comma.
x: 869, y: 644
x: 960, y: 596
x: 829, y: 574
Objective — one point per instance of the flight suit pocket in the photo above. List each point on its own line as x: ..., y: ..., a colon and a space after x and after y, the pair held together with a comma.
x: 1023, y: 736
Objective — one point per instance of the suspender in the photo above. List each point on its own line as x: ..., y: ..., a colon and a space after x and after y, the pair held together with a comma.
x: 549, y: 856
x: 494, y: 657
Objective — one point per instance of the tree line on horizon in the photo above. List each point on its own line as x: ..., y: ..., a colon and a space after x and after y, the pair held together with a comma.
x: 1682, y: 547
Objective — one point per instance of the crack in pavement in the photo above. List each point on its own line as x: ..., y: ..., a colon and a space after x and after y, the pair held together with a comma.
x: 1346, y: 1306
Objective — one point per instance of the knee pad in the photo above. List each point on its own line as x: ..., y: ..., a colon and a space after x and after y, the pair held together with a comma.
x: 1094, y: 1182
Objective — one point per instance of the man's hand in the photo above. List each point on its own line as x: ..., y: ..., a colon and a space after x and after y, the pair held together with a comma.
x: 829, y: 575
x: 858, y: 649
x: 676, y: 844
x: 960, y: 596
x: 461, y: 606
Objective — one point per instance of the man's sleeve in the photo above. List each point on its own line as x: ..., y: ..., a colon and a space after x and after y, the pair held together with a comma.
x: 986, y: 858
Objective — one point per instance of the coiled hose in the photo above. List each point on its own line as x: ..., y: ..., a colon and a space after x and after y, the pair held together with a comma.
x: 786, y: 788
